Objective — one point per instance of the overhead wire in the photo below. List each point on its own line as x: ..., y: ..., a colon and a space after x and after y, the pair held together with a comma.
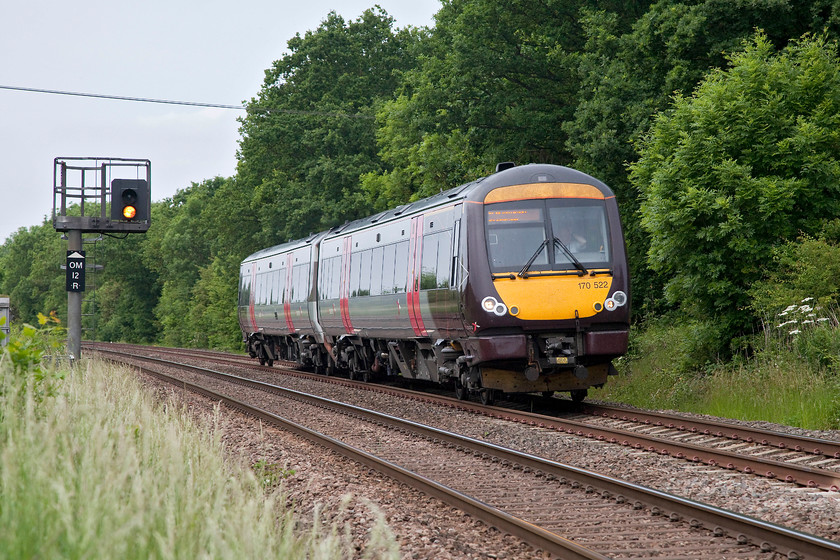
x: 187, y: 103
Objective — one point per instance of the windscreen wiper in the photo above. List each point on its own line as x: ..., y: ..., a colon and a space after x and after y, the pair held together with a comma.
x: 566, y: 250
x: 524, y: 272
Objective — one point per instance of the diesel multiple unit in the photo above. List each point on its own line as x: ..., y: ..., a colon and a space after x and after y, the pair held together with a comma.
x: 516, y: 282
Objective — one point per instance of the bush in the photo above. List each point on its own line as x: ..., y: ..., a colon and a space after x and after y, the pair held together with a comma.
x: 805, y: 268
x: 29, y: 360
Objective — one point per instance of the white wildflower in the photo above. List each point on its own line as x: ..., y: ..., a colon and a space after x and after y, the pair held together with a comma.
x: 807, y: 299
x: 822, y: 319
x: 795, y: 331
x: 790, y: 308
x: 807, y: 322
x: 786, y: 323
x: 805, y: 308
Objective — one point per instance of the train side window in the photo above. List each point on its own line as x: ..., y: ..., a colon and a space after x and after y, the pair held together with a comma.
x: 444, y: 258
x: 376, y: 271
x: 303, y: 282
x: 389, y: 263
x: 329, y: 278
x: 245, y: 288
x: 275, y: 287
x: 364, y: 280
x: 428, y: 274
x: 281, y: 285
x: 324, y: 270
x: 260, y: 292
x: 335, y: 282
x: 401, y: 267
x: 355, y: 268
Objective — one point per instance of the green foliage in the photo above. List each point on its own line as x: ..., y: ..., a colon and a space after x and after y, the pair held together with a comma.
x: 804, y: 268
x: 213, y: 317
x: 789, y: 378
x: 359, y: 116
x: 32, y: 278
x: 101, y: 471
x: 311, y: 132
x: 28, y: 363
x: 632, y: 66
x: 270, y: 475
x: 745, y: 164
x: 495, y: 83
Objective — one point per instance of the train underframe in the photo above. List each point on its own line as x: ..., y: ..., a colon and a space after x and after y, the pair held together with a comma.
x: 549, y: 364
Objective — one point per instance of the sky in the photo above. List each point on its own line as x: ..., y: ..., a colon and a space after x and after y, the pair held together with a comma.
x: 206, y: 51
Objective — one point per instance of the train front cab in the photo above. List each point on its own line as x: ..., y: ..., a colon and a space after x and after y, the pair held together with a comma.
x: 548, y: 295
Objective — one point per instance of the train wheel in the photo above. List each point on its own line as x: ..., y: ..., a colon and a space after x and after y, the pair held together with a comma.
x: 461, y: 392
x: 488, y: 397
x: 578, y: 395
x: 269, y: 362
x: 262, y: 360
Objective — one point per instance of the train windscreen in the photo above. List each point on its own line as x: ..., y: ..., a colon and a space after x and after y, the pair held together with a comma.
x: 547, y: 235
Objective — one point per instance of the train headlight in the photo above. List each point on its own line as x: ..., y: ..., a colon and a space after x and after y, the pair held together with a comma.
x: 617, y: 300
x: 620, y: 298
x: 492, y: 305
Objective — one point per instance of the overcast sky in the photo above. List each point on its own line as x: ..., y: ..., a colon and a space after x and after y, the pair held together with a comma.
x: 207, y: 51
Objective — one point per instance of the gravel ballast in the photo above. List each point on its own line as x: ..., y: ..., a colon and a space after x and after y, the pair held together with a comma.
x: 426, y: 528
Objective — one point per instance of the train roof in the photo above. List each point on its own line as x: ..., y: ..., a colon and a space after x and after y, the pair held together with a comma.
x: 474, y: 190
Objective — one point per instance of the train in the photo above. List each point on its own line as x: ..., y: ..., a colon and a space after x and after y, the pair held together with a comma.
x: 513, y: 283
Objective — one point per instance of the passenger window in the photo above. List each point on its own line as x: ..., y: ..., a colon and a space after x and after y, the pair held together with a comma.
x: 376, y: 271
x: 401, y: 268
x: 444, y: 259
x: 389, y: 264
x: 364, y: 280
x: 355, y: 268
x: 428, y: 275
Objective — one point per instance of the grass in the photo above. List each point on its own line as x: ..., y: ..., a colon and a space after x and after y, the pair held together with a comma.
x: 91, y: 467
x: 791, y: 377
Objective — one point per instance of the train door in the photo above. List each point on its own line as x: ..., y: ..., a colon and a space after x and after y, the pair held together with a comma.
x: 247, y: 315
x: 415, y: 271
x: 287, y: 293
x: 344, y: 291
x: 314, y: 298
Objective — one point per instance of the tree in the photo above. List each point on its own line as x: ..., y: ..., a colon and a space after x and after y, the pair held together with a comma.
x: 310, y: 133
x: 628, y: 75
x: 746, y: 163
x: 496, y: 83
x: 33, y: 280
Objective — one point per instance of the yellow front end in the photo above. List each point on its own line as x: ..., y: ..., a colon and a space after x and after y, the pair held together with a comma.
x: 546, y: 298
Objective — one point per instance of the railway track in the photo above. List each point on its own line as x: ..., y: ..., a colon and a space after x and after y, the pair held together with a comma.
x: 601, y: 516
x: 805, y: 461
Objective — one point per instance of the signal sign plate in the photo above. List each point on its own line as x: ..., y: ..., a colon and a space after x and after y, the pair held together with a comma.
x: 75, y: 271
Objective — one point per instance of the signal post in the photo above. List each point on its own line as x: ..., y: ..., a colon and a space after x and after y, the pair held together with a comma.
x: 96, y: 195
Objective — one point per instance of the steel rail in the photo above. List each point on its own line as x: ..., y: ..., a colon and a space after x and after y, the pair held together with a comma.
x: 749, y: 434
x: 810, y: 477
x: 767, y: 536
x: 532, y: 534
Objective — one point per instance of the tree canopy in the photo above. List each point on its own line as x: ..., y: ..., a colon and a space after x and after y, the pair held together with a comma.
x: 714, y: 121
x: 745, y: 164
